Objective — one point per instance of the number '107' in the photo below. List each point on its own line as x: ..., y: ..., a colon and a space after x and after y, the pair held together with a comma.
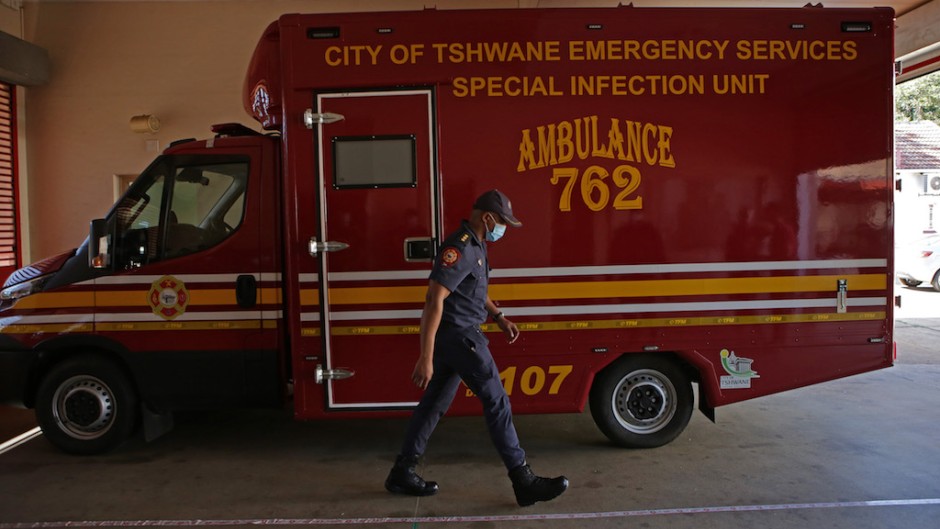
x: 596, y: 189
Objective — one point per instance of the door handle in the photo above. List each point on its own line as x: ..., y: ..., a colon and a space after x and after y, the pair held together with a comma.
x: 322, y: 375
x: 419, y: 249
x: 315, y: 247
x: 246, y: 291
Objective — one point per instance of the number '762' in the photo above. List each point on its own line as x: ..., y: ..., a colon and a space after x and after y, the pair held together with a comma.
x: 595, y: 189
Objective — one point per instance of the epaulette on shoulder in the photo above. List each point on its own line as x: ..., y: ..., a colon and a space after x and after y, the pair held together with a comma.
x: 460, y: 239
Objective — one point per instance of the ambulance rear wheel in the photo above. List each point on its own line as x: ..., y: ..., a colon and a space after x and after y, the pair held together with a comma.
x: 642, y: 401
x: 86, y: 405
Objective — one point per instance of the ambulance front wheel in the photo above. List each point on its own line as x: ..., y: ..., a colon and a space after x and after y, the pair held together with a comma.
x: 642, y: 401
x: 86, y: 405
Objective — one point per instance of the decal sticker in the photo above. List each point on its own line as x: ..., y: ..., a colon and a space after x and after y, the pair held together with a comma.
x: 168, y: 297
x: 738, y: 369
x: 261, y: 102
x: 450, y: 256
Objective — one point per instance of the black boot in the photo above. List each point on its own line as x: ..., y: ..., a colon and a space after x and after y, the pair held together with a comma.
x: 530, y: 488
x: 403, y: 480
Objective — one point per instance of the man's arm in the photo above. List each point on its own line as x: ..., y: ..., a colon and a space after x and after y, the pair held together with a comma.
x: 430, y: 322
x: 509, y: 328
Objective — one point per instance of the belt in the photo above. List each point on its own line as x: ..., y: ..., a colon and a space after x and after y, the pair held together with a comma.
x: 452, y: 327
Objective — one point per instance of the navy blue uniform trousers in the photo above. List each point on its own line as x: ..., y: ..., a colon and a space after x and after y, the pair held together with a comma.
x: 463, y: 354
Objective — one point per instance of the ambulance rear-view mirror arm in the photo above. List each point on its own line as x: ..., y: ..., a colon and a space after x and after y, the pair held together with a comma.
x: 100, y: 244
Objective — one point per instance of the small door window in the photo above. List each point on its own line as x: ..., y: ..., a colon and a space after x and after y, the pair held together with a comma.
x: 373, y: 162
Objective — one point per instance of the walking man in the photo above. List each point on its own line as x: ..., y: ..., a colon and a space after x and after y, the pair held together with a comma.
x: 453, y: 348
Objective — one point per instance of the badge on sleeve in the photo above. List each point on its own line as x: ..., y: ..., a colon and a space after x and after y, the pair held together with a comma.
x: 450, y: 256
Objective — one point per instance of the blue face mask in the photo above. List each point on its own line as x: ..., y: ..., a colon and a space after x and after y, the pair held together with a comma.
x: 497, y: 233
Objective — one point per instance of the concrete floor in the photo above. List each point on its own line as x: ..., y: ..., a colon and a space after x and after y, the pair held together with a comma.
x: 862, y: 452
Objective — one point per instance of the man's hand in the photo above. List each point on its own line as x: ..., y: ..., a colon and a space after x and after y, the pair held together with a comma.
x: 430, y: 322
x: 509, y: 329
x: 421, y: 376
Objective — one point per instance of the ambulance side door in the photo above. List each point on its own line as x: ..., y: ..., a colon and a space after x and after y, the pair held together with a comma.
x: 378, y: 190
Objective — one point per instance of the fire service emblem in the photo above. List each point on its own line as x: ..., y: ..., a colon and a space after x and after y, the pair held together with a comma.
x: 168, y: 297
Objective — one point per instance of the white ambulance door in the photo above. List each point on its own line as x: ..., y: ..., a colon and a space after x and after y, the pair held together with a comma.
x: 378, y: 190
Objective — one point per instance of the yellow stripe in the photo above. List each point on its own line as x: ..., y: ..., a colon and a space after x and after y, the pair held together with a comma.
x: 309, y: 296
x: 57, y: 300
x: 685, y: 287
x: 631, y: 324
x: 140, y: 298
x: 269, y: 296
x: 233, y: 325
x: 366, y: 295
x: 623, y: 289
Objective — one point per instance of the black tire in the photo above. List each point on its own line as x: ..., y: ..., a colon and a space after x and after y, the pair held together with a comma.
x: 935, y: 282
x: 642, y: 401
x: 86, y: 405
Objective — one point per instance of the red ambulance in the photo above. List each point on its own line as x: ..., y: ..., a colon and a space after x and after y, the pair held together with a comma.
x: 706, y: 197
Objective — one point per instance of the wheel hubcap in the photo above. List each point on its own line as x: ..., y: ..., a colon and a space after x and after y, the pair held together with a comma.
x: 645, y: 401
x: 84, y: 407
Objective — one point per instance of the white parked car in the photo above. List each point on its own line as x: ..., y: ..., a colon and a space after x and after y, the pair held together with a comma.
x: 920, y: 263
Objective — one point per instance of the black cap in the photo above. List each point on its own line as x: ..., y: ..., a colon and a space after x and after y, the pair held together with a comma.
x: 494, y: 200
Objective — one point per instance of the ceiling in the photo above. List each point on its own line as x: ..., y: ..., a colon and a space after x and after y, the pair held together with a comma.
x: 900, y: 6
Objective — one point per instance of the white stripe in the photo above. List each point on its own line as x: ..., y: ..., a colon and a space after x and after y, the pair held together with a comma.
x: 390, y: 276
x: 490, y: 519
x: 186, y: 278
x: 309, y: 278
x: 375, y: 315
x: 368, y: 405
x: 52, y: 318
x: 757, y: 266
x: 628, y: 308
x: 309, y: 316
x: 761, y: 266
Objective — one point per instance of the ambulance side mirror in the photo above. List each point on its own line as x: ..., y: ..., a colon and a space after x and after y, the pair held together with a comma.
x: 99, y: 244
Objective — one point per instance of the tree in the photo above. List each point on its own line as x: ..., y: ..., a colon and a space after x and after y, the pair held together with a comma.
x: 918, y: 99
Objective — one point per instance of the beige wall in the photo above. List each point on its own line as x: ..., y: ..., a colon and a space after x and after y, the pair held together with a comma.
x: 183, y: 62
x: 10, y: 20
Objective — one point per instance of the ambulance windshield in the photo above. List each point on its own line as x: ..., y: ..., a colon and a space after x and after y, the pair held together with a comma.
x: 179, y: 206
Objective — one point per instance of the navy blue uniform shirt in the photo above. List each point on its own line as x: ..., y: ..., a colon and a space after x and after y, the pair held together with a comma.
x: 461, y: 267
